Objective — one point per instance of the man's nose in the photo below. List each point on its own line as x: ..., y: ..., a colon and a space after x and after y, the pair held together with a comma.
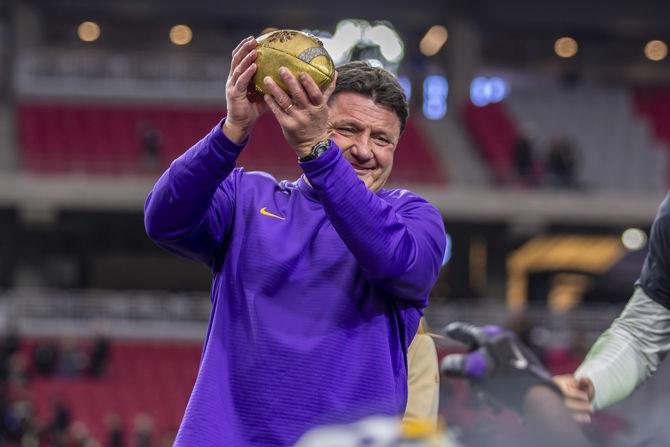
x: 361, y: 148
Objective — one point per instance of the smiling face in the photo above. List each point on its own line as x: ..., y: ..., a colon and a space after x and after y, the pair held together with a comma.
x: 367, y: 133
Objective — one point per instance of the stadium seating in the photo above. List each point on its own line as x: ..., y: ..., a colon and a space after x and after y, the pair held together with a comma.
x: 108, y: 139
x: 143, y: 377
x: 654, y: 105
x: 615, y: 149
x: 495, y: 134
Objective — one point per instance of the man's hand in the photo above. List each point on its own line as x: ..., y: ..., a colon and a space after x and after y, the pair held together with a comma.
x: 302, y: 112
x: 242, y: 108
x: 577, y: 396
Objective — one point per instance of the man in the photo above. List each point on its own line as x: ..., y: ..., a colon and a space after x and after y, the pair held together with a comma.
x: 637, y: 341
x: 319, y: 284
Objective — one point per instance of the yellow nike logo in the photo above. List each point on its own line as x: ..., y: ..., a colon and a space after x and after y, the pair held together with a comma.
x: 265, y: 212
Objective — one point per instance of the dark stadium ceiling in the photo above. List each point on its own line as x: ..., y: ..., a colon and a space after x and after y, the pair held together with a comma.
x: 624, y: 17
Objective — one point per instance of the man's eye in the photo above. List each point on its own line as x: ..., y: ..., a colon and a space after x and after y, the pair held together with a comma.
x: 347, y: 130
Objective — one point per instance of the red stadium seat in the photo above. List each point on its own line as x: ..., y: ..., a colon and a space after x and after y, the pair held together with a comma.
x: 143, y: 377
x: 107, y: 139
x: 495, y: 135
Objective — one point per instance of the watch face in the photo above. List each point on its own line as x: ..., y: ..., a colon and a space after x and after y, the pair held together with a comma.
x: 318, y: 149
x: 321, y: 147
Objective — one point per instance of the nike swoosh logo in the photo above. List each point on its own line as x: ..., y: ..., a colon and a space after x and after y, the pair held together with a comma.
x: 265, y: 212
x: 520, y: 361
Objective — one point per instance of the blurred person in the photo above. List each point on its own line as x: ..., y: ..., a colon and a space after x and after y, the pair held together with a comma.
x: 80, y: 435
x: 423, y: 378
x: 525, y: 157
x: 114, y: 427
x: 167, y: 439
x: 17, y: 371
x: 152, y: 145
x: 377, y: 432
x: 319, y: 284
x: 638, y: 340
x: 144, y: 428
x: 71, y: 360
x: 562, y: 163
x: 99, y: 356
x: 11, y: 342
x: 20, y: 417
x: 45, y: 358
x: 61, y: 418
x: 509, y: 375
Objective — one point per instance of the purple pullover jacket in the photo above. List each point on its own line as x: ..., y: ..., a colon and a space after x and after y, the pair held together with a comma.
x: 316, y: 292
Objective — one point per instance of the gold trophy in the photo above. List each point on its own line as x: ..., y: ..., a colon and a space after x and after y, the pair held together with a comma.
x: 298, y: 51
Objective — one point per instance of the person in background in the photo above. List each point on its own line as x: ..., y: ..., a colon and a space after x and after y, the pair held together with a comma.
x: 423, y: 381
x: 562, y: 163
x: 636, y: 343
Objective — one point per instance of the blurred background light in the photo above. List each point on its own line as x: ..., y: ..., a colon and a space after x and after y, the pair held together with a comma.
x: 354, y: 39
x: 433, y: 40
x: 406, y: 85
x: 435, y: 91
x: 634, y: 239
x: 656, y: 50
x: 181, y: 35
x: 390, y: 44
x: 484, y: 90
x: 566, y: 47
x: 347, y: 34
x: 88, y: 31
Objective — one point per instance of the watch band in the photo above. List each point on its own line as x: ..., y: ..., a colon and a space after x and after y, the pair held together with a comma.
x: 318, y: 149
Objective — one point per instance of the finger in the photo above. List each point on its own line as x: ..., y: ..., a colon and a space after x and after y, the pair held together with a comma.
x: 466, y: 333
x: 570, y: 388
x: 564, y: 381
x: 578, y: 406
x: 585, y: 384
x: 576, y: 398
x: 240, y: 52
x: 582, y: 418
x: 243, y: 66
x: 242, y: 42
x: 316, y: 97
x: 279, y: 95
x: 276, y: 109
x: 331, y: 88
x: 298, y: 95
x: 574, y: 393
x: 242, y: 83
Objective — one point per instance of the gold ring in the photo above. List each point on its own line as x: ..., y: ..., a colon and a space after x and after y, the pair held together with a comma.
x: 288, y: 109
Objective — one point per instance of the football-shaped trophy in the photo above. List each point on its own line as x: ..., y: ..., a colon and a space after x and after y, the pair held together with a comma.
x: 298, y: 51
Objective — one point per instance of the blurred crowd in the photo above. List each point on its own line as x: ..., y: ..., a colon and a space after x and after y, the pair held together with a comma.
x: 22, y: 363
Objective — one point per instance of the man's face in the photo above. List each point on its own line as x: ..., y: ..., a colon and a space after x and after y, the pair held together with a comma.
x: 367, y: 133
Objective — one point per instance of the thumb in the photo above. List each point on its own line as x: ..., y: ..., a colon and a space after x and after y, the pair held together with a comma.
x: 585, y: 384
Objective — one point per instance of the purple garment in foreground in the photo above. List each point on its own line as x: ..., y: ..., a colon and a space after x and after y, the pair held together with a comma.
x: 316, y: 293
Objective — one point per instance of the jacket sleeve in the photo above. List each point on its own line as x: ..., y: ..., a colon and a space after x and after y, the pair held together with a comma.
x: 423, y: 380
x: 400, y: 249
x: 191, y: 206
x: 629, y: 352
